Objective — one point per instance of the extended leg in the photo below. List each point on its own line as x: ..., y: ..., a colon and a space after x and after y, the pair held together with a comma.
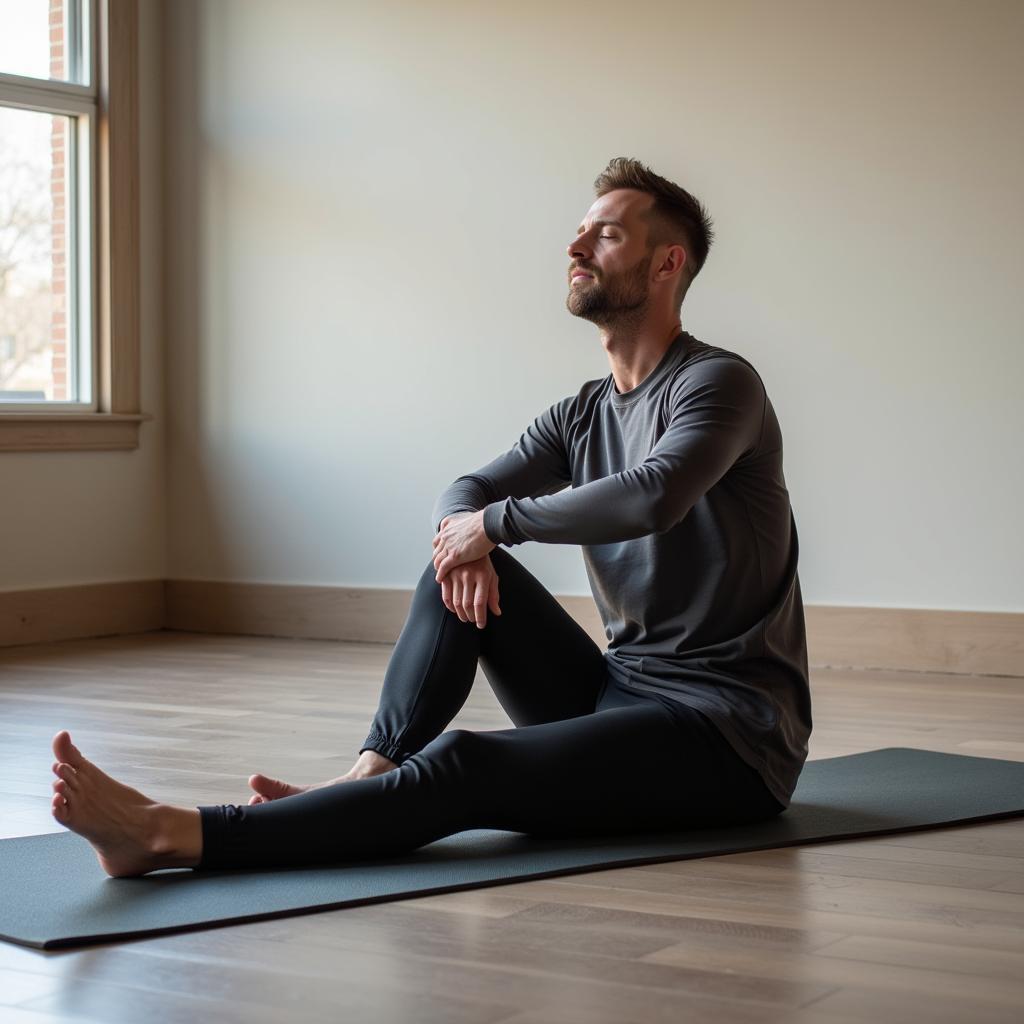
x: 623, y: 769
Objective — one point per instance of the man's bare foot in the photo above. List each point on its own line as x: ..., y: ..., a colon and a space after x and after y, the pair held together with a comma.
x: 130, y: 833
x: 370, y: 763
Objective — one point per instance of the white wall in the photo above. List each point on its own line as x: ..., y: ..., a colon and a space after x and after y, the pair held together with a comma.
x: 367, y: 212
x: 97, y: 517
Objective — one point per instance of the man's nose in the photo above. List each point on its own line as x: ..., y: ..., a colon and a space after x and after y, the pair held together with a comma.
x: 578, y: 249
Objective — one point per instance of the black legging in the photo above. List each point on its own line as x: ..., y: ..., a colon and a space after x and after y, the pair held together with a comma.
x: 587, y: 756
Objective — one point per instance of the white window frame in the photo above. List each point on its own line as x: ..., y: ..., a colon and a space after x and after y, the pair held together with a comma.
x: 108, y: 255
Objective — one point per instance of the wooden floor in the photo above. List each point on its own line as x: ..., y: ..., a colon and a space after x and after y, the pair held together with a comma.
x: 927, y: 926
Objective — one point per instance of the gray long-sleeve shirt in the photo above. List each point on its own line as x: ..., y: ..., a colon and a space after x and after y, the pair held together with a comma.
x: 679, y: 502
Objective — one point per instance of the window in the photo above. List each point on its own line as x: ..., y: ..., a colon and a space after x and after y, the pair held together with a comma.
x: 69, y: 375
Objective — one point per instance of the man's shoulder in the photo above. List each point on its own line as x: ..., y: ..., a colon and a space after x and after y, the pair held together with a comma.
x: 698, y: 352
x: 589, y: 391
x: 576, y: 412
x: 703, y: 363
x: 568, y: 410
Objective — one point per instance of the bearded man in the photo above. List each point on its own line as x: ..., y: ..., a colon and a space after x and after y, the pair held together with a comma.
x: 668, y: 474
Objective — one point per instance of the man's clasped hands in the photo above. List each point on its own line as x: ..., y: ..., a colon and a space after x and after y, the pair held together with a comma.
x: 469, y: 584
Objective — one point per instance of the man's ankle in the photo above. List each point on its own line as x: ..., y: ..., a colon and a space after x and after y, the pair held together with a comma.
x: 373, y: 762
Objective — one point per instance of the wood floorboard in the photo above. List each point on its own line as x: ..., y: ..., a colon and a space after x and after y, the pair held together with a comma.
x: 918, y: 926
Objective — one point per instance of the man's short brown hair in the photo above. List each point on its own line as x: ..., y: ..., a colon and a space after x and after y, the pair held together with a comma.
x: 676, y: 216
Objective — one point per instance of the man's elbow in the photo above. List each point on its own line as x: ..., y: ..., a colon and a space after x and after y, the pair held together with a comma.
x: 664, y: 514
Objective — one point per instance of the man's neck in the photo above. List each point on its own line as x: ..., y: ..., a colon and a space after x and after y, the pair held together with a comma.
x: 634, y: 351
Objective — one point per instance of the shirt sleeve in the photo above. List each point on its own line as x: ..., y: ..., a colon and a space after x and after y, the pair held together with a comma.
x: 717, y: 414
x: 537, y: 464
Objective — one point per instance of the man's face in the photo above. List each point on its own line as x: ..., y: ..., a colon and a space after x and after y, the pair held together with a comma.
x: 609, y: 272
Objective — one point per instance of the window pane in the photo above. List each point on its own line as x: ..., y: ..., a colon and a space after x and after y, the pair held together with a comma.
x: 42, y: 39
x: 36, y: 322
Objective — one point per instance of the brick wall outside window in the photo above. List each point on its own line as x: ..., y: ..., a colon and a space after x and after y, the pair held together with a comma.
x: 58, y: 331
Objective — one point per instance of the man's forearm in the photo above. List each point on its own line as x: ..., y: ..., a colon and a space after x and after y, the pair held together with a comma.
x: 466, y: 494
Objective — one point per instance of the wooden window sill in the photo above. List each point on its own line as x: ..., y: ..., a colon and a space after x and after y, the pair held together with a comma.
x: 70, y: 432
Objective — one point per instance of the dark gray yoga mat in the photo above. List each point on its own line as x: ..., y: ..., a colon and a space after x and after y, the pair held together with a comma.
x: 55, y: 893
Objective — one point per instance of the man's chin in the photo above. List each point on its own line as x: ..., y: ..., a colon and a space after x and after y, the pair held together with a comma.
x: 581, y: 309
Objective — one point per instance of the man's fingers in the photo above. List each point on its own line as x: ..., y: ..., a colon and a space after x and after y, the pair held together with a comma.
x: 464, y: 602
x: 480, y: 604
x: 457, y: 596
x: 468, y: 593
x: 440, y: 553
x: 448, y: 562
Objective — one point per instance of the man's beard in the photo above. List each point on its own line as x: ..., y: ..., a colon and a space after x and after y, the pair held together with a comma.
x: 614, y: 300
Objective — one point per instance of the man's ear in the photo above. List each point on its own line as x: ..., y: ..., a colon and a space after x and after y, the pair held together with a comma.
x: 674, y: 259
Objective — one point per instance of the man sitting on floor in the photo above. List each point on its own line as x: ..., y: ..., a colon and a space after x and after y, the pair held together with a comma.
x: 668, y: 473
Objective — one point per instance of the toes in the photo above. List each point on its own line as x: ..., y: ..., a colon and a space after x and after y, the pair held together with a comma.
x: 268, y: 787
x: 257, y: 799
x: 59, y: 807
x: 60, y: 786
x: 65, y: 751
x: 68, y: 775
x: 60, y: 745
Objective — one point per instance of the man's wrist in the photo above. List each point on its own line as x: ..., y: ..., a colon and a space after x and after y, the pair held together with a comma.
x: 491, y: 517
